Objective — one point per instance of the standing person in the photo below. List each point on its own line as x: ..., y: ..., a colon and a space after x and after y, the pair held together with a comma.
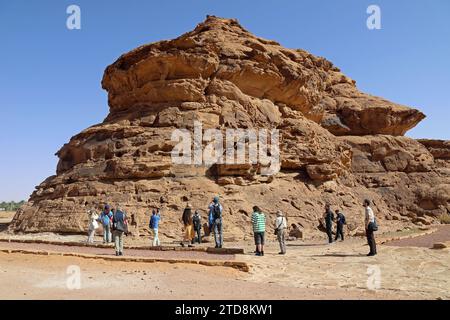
x: 186, y: 218
x: 340, y: 221
x: 93, y: 225
x: 329, y: 217
x: 370, y: 226
x: 280, y: 230
x: 154, y: 225
x: 197, y: 220
x: 112, y: 233
x: 259, y: 228
x: 215, y: 211
x: 120, y: 226
x: 105, y: 218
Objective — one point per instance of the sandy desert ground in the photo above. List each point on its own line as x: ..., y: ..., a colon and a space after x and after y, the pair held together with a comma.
x: 40, y: 277
x: 310, y: 270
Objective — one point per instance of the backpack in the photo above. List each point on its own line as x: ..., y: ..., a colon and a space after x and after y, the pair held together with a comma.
x: 210, y: 219
x: 196, y: 221
x: 119, y: 221
x: 216, y: 211
x: 152, y: 222
x: 373, y: 226
x: 105, y: 218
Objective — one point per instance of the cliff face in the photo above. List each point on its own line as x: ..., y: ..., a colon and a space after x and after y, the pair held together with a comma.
x: 337, y: 144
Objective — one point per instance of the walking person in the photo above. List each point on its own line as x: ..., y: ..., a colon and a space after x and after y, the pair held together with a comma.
x: 329, y: 217
x: 370, y: 226
x: 197, y: 220
x: 154, y: 226
x: 120, y: 226
x: 215, y: 211
x: 340, y: 221
x: 105, y: 218
x: 93, y: 225
x: 186, y: 218
x: 280, y: 231
x: 259, y: 229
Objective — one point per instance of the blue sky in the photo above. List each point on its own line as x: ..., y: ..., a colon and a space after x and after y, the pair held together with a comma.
x: 50, y: 76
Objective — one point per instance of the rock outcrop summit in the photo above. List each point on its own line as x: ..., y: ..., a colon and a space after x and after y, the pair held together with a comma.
x: 338, y: 145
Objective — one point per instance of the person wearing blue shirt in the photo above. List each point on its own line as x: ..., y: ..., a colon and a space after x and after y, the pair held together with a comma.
x: 216, y: 222
x: 105, y: 219
x: 154, y: 225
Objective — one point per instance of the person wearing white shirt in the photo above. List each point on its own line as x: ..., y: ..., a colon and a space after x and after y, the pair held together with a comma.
x: 369, y: 223
x: 93, y: 225
x: 280, y: 229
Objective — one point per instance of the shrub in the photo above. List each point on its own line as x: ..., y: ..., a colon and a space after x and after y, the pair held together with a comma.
x: 445, y: 218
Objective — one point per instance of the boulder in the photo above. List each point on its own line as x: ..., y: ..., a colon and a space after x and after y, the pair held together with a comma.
x: 337, y: 145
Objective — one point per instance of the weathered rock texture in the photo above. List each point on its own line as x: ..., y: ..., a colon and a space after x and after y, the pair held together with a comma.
x: 338, y: 145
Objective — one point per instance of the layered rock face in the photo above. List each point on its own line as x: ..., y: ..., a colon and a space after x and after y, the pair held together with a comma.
x: 337, y: 144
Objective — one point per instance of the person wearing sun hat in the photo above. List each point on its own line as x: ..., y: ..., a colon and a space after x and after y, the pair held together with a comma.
x: 280, y: 231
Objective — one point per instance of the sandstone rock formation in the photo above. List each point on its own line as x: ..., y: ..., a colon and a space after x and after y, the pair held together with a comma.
x: 338, y: 145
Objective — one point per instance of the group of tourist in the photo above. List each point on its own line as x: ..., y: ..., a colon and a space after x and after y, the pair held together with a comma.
x: 369, y: 220
x: 115, y: 225
x: 259, y: 230
x: 193, y: 224
x: 259, y: 227
x: 340, y: 222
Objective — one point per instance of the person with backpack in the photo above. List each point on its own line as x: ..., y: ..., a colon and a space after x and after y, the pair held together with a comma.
x: 154, y: 225
x: 370, y: 226
x: 186, y: 218
x: 215, y: 212
x: 340, y: 221
x: 93, y: 225
x: 329, y: 217
x: 105, y: 218
x: 120, y: 226
x: 259, y: 229
x: 280, y: 231
x: 197, y: 220
x: 210, y: 220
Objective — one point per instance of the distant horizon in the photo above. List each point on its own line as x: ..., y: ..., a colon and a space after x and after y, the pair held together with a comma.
x: 51, y: 75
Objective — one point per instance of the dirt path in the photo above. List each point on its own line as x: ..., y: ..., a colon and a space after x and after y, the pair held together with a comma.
x: 195, y: 255
x: 427, y: 241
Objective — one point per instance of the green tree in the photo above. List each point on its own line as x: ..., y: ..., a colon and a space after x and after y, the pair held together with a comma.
x: 12, y: 205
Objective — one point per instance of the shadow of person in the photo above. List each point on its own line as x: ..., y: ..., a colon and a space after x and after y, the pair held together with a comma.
x: 340, y: 255
x: 305, y: 244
